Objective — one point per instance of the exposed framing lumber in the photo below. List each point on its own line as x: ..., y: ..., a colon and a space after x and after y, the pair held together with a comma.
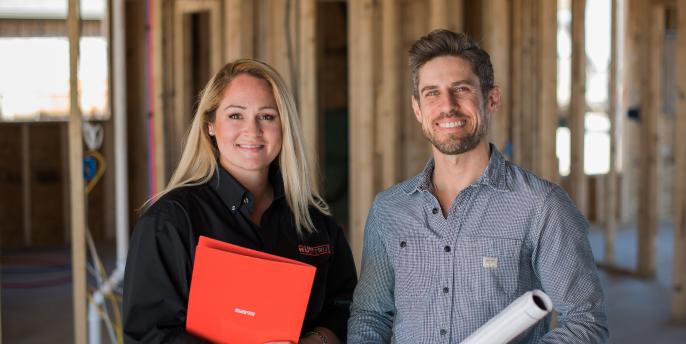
x: 438, y: 14
x: 517, y: 92
x: 525, y: 82
x: 546, y: 162
x: 577, y: 107
x: 391, y: 87
x: 158, y: 99
x: 496, y: 40
x: 183, y: 94
x: 650, y: 114
x: 307, y: 78
x: 361, y: 21
x: 614, y: 114
x: 679, y: 272
x: 77, y: 197
x: 26, y: 181
x: 239, y: 23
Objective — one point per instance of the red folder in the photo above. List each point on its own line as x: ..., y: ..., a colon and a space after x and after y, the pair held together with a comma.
x: 239, y: 295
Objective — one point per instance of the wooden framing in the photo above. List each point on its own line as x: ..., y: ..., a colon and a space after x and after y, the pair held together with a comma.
x: 26, y: 181
x: 651, y: 111
x: 577, y: 107
x: 438, y: 12
x: 183, y: 92
x: 524, y: 82
x: 614, y: 114
x: 307, y: 78
x: 238, y: 19
x: 545, y: 159
x: 496, y: 41
x: 391, y: 82
x: 158, y: 100
x: 679, y: 272
x: 77, y: 199
x: 361, y: 21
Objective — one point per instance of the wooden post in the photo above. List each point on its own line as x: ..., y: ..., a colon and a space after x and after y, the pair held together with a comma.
x: 239, y: 29
x: 439, y: 14
x: 77, y: 199
x: 362, y: 95
x: 307, y: 78
x: 517, y: 91
x: 26, y: 181
x: 679, y: 272
x: 546, y: 164
x: 158, y: 179
x: 650, y: 112
x: 389, y: 102
x: 496, y: 41
x: 614, y: 114
x: 577, y: 107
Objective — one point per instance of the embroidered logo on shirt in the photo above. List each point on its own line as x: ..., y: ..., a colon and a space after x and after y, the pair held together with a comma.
x: 314, y: 250
x: 490, y: 262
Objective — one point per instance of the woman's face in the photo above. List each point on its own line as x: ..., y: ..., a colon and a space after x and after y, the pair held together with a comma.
x: 247, y: 126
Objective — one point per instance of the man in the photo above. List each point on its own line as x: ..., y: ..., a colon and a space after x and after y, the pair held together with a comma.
x: 451, y: 247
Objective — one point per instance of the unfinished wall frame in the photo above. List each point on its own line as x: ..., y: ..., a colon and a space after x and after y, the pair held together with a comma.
x: 184, y: 95
x: 679, y: 195
x: 651, y: 95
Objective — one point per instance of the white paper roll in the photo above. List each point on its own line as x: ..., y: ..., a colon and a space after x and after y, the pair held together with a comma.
x: 521, y: 314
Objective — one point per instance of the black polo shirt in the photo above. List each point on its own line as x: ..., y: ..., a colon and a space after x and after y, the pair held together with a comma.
x: 160, y: 260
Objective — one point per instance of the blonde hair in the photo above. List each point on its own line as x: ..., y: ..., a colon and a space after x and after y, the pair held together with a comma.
x: 199, y: 158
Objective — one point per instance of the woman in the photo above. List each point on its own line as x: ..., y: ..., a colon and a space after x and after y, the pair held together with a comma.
x: 243, y: 178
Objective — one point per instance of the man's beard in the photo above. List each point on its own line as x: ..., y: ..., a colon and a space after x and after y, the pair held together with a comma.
x: 454, y: 144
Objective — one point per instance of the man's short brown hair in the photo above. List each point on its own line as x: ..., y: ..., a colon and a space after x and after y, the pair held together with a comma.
x: 447, y: 43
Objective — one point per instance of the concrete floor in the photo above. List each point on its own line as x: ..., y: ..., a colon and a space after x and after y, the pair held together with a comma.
x: 36, y: 294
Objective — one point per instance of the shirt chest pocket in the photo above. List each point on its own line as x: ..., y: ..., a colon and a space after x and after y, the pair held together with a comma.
x: 414, y: 269
x: 490, y: 266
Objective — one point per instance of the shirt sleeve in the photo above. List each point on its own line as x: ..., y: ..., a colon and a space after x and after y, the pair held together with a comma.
x: 156, y: 283
x: 340, y: 284
x: 564, y: 263
x: 373, y: 309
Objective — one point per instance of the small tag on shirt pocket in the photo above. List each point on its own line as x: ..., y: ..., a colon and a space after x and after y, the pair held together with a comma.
x: 490, y: 262
x: 490, y: 266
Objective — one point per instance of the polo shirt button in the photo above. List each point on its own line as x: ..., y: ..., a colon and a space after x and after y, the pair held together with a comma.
x: 434, y: 210
x: 443, y: 332
x: 446, y: 249
x: 445, y: 290
x: 245, y: 200
x: 403, y: 244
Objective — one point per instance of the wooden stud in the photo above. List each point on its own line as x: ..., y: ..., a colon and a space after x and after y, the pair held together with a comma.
x: 307, y: 78
x: 679, y: 195
x: 496, y: 41
x: 26, y: 181
x: 362, y: 95
x: 184, y: 94
x: 577, y: 107
x: 546, y: 166
x: 614, y: 114
x: 389, y: 104
x: 517, y: 92
x: 438, y: 10
x: 77, y: 199
x: 650, y: 113
x: 415, y: 148
x: 158, y: 88
x: 239, y: 29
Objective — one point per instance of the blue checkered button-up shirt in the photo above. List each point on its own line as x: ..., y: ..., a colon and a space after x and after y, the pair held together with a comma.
x: 430, y: 279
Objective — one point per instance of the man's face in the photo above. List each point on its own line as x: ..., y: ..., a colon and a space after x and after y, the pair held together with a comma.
x: 451, y: 108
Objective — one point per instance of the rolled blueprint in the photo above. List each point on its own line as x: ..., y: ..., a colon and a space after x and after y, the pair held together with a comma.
x: 521, y: 314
